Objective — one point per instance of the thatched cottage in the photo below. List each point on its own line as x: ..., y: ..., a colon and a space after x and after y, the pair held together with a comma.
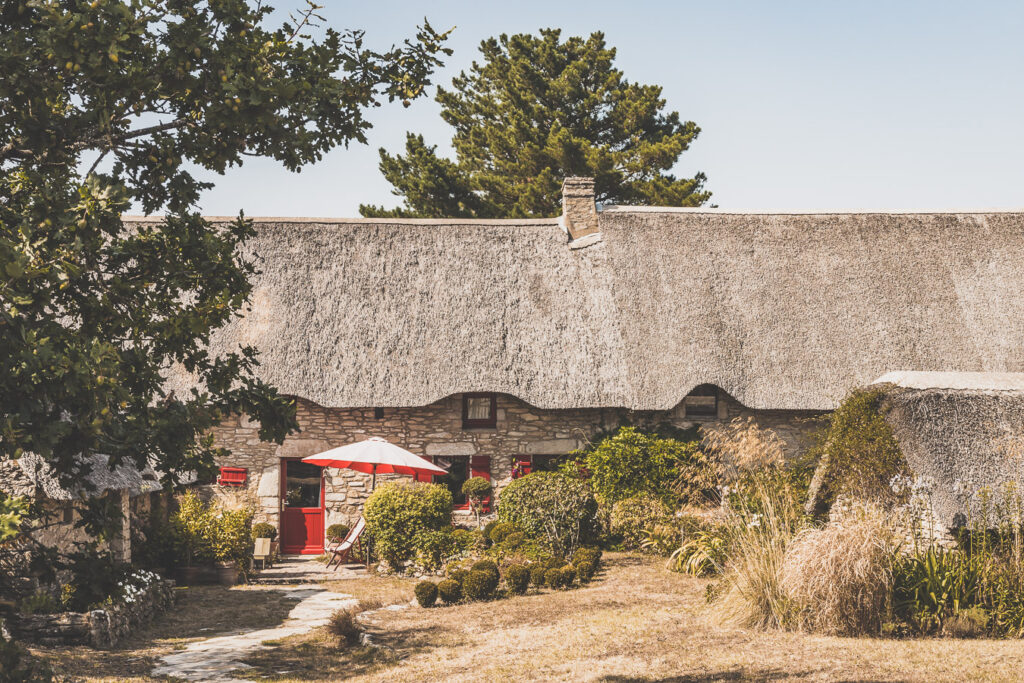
x: 495, y: 346
x: 130, y: 489
x: 964, y: 432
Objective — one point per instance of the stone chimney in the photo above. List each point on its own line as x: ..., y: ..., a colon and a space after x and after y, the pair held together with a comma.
x: 579, y: 213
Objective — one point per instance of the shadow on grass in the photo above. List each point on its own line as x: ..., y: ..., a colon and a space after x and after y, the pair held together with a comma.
x: 728, y: 675
x: 199, y: 612
x: 320, y: 658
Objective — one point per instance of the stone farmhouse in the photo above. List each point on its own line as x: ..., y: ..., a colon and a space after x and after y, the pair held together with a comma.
x: 495, y: 346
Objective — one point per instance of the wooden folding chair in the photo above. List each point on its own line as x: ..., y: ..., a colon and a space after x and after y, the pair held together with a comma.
x: 341, y: 551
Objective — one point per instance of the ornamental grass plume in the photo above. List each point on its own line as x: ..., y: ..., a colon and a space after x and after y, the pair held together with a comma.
x: 838, y: 579
x: 753, y: 594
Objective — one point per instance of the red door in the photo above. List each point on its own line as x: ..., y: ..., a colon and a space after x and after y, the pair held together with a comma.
x: 302, y: 508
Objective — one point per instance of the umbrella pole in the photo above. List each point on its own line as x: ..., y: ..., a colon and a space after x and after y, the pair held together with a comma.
x: 373, y: 485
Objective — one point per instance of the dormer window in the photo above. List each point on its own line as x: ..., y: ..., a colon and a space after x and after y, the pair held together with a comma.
x: 479, y: 410
x: 702, y: 402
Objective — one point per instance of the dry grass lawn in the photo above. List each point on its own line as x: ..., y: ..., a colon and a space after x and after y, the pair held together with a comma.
x: 199, y: 612
x: 637, y: 622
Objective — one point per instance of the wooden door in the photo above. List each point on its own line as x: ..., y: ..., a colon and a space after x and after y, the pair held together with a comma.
x: 302, y: 508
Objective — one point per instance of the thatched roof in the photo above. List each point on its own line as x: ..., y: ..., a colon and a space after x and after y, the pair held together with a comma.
x: 30, y: 476
x: 779, y: 310
x: 964, y: 431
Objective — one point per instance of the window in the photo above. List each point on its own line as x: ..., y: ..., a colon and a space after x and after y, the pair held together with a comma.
x: 479, y: 410
x: 702, y: 402
x: 460, y: 468
x: 378, y: 413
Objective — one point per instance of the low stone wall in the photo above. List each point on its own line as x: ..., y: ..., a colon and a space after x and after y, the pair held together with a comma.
x: 102, y: 628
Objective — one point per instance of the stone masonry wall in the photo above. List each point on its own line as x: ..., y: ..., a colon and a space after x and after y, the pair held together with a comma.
x: 436, y: 430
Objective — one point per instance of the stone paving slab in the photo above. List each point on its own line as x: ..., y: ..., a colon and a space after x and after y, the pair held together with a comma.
x: 305, y: 569
x: 214, y: 659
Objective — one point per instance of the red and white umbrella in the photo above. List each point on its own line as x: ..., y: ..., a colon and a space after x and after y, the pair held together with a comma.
x: 372, y: 456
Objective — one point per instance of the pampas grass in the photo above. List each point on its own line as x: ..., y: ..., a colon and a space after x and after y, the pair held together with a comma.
x: 837, y: 579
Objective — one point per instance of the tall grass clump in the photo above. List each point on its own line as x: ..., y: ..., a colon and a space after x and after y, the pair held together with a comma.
x: 838, y: 579
x: 753, y: 593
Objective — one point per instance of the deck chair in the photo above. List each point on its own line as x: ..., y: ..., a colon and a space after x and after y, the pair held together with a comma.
x: 341, y: 551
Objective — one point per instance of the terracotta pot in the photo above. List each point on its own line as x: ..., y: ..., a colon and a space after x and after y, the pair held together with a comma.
x: 227, y: 573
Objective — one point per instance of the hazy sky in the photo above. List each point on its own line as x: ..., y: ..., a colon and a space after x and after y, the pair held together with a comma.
x: 814, y: 105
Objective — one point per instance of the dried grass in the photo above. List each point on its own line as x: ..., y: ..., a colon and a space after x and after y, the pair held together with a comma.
x: 754, y: 596
x: 838, y: 578
x: 744, y: 447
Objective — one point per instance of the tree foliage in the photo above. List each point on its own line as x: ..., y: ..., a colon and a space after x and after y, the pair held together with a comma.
x: 533, y: 111
x: 94, y: 310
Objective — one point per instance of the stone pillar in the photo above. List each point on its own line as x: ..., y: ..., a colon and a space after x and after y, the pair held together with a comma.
x: 579, y: 212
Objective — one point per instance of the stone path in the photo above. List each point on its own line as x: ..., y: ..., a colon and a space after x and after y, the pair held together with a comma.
x: 305, y: 569
x: 214, y: 659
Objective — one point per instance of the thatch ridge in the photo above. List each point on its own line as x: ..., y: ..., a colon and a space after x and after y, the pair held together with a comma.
x: 780, y: 311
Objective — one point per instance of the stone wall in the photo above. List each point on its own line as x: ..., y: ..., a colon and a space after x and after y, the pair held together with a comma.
x: 102, y: 628
x: 436, y: 430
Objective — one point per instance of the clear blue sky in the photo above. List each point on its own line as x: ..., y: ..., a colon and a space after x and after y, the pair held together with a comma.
x: 813, y: 104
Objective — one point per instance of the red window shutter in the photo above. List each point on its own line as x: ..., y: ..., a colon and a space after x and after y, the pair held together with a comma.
x: 522, y: 466
x: 480, y: 466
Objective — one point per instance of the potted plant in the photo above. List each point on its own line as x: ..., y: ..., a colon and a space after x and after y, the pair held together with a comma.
x: 232, y: 543
x: 191, y: 524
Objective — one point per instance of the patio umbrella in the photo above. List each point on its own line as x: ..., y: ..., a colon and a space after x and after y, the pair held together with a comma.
x: 372, y: 456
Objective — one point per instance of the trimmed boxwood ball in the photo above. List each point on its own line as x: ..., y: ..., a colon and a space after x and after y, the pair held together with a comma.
x: 480, y: 585
x: 499, y: 531
x: 485, y: 566
x: 490, y: 525
x: 585, y: 571
x: 592, y: 555
x: 538, y: 573
x: 568, y: 576
x: 450, y: 591
x: 514, y: 540
x: 517, y: 578
x: 458, y: 574
x: 426, y: 593
x: 337, y: 532
x: 553, y: 578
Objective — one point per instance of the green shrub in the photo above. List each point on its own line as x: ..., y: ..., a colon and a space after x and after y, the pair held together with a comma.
x: 499, y: 530
x: 517, y: 578
x: 265, y: 530
x: 556, y: 510
x: 585, y: 571
x: 335, y: 532
x: 702, y: 553
x: 426, y: 593
x: 568, y: 576
x: 434, y: 548
x: 458, y: 574
x: 450, y: 591
x: 587, y: 554
x: 538, y: 574
x: 934, y: 585
x: 485, y: 566
x: 632, y: 462
x: 863, y: 455
x: 632, y: 517
x: 192, y: 523
x: 477, y: 490
x: 464, y: 539
x: 489, y: 527
x: 553, y: 578
x: 231, y: 536
x: 398, y: 511
x: 40, y: 602
x: 480, y: 585
x: 514, y: 540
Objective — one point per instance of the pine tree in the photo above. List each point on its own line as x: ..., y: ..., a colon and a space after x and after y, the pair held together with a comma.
x: 534, y: 111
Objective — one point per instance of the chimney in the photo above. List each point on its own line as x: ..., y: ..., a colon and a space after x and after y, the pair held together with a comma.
x: 579, y: 213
